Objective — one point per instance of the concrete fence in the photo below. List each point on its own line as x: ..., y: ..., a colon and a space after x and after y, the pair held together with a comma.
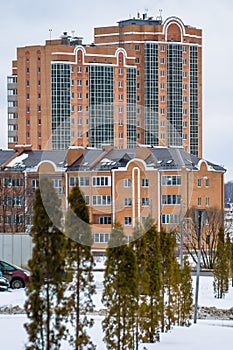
x: 16, y: 248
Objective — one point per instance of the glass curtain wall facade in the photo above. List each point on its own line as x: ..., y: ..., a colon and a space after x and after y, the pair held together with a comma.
x: 194, y: 100
x: 61, y: 105
x: 174, y: 94
x: 151, y: 93
x: 101, y: 90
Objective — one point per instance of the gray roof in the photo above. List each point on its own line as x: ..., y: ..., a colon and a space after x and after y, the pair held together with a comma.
x: 5, y: 155
x: 159, y: 158
x: 97, y: 159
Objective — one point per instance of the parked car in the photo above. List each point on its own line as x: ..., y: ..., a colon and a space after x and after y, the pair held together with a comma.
x: 17, y: 277
x: 4, y: 284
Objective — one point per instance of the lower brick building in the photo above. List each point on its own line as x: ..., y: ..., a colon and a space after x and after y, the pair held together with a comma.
x: 119, y: 185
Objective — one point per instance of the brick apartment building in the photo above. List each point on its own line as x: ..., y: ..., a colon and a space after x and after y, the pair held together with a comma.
x: 139, y: 82
x: 119, y: 185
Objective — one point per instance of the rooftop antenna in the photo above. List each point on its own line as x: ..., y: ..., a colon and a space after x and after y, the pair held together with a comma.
x: 160, y: 13
x: 50, y: 34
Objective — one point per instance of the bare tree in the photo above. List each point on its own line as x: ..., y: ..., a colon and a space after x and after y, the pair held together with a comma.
x: 212, y: 220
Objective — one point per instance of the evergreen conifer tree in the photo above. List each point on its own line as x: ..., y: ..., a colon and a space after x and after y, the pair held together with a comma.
x: 169, y: 277
x: 150, y: 300
x: 185, y: 295
x: 80, y: 261
x: 120, y: 293
x: 45, y: 294
x: 221, y: 267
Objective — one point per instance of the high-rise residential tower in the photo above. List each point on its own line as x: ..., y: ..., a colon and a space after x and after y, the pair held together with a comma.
x: 139, y: 82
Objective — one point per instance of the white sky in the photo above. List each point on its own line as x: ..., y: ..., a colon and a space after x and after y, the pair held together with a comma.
x: 25, y: 23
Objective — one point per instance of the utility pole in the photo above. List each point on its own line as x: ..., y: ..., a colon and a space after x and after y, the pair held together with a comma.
x: 199, y: 218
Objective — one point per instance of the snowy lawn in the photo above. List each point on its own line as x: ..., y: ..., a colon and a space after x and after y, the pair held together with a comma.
x: 206, y: 334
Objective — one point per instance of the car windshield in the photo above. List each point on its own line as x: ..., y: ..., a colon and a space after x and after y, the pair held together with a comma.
x: 7, y: 266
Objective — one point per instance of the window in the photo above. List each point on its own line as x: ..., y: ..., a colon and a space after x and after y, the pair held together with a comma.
x: 80, y: 108
x: 39, y: 109
x: 101, y: 237
x: 127, y: 202
x: 80, y: 121
x: 13, y: 182
x: 162, y: 111
x: 87, y: 199
x: 184, y: 136
x: 120, y: 97
x: 162, y: 73
x: 79, y: 95
x: 105, y: 220
x: 127, y: 220
x: 184, y: 74
x: 57, y: 184
x: 137, y: 47
x: 35, y: 184
x: 184, y: 99
x: 137, y: 60
x: 199, y: 201
x: 120, y: 71
x: 162, y: 98
x: 121, y: 135
x: 79, y: 82
x: 102, y: 200
x: 79, y: 69
x: 18, y: 201
x: 171, y: 199
x: 12, y: 103
x: 127, y: 183
x: 145, y: 202
x: 38, y: 95
x: 38, y: 69
x: 170, y: 219
x: 12, y: 116
x: 199, y: 182
x: 27, y: 96
x: 120, y: 84
x: 184, y: 86
x: 162, y: 60
x: 184, y: 111
x: 101, y: 181
x: 145, y: 182
x: 207, y: 182
x: 184, y: 61
x: 80, y: 134
x: 184, y: 48
x: 162, y: 48
x: 38, y: 82
x: 162, y: 86
x: 120, y: 109
x: 184, y: 124
x: 121, y: 122
x: 27, y: 83
x: 79, y: 180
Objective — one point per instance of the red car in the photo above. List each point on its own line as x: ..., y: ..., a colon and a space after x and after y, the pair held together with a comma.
x: 17, y: 277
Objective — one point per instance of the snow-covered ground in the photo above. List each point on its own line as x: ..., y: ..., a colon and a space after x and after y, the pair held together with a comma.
x: 205, y: 334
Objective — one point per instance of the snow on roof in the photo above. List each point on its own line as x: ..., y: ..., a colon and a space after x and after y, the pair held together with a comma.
x: 17, y: 160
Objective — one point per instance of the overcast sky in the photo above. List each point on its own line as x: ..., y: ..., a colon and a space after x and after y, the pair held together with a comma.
x: 24, y: 22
